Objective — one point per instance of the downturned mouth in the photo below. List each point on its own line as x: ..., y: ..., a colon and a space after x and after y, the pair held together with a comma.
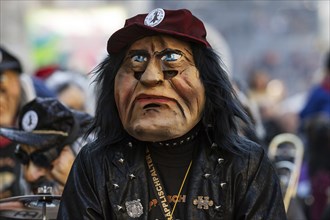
x: 153, y: 102
x: 152, y: 105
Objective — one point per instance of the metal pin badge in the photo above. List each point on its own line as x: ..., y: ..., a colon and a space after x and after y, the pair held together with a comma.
x: 134, y: 208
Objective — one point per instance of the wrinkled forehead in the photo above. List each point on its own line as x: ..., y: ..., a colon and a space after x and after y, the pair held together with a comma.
x: 159, y: 43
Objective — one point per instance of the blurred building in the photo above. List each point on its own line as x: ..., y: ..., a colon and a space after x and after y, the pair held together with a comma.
x: 289, y: 38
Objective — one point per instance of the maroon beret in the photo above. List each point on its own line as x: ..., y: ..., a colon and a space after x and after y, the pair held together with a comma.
x: 177, y: 23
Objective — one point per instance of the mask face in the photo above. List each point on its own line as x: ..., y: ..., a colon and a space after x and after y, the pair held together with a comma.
x: 158, y: 91
x: 45, y: 168
x: 10, y: 96
x: 41, y: 158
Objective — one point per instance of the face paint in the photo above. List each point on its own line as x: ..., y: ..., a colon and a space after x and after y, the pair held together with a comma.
x: 158, y: 91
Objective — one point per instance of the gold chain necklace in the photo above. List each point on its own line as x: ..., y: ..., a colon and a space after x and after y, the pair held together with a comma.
x: 159, y: 191
x: 181, y: 187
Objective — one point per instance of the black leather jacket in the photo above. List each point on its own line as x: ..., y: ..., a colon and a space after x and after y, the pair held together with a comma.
x: 104, y: 178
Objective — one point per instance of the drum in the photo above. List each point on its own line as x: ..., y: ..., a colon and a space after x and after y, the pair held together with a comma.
x: 43, y: 207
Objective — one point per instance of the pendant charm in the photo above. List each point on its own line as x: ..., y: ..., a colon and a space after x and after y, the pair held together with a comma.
x: 134, y: 208
x: 203, y: 202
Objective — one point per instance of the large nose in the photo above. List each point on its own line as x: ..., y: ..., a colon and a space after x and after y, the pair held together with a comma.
x: 33, y: 172
x: 153, y: 74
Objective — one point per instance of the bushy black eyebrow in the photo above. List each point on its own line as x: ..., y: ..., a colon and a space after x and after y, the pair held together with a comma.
x: 132, y: 53
x: 166, y: 51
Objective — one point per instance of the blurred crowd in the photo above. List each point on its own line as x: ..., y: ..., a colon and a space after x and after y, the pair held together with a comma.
x: 71, y: 92
x: 43, y: 117
x: 308, y: 119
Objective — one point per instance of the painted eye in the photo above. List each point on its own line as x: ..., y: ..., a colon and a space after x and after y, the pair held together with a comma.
x: 139, y: 58
x: 169, y: 74
x: 171, y: 56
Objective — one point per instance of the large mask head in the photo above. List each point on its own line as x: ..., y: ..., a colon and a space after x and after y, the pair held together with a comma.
x: 158, y: 91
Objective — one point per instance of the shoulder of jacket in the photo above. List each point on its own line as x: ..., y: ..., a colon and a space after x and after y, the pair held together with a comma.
x: 94, y: 149
x: 252, y: 153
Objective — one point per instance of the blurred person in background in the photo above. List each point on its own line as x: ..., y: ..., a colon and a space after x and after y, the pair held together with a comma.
x: 266, y: 94
x: 16, y: 88
x: 317, y: 135
x: 48, y: 138
x: 41, y: 88
x: 72, y: 88
x: 258, y: 79
x: 315, y: 129
x: 295, y: 210
x: 256, y: 133
x: 318, y: 100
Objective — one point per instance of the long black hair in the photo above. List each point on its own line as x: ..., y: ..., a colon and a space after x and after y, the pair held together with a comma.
x: 221, y: 111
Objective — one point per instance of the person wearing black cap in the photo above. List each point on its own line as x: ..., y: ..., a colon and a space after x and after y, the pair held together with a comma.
x: 48, y: 138
x: 15, y: 91
x: 167, y: 142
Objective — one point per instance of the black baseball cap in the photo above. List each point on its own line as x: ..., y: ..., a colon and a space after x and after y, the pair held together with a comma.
x: 47, y: 123
x: 9, y: 61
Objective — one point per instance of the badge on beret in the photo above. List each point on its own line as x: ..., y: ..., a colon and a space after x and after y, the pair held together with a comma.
x: 30, y: 120
x: 154, y: 17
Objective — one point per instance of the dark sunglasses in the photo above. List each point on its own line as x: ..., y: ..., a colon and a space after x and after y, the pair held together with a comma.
x: 41, y: 158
